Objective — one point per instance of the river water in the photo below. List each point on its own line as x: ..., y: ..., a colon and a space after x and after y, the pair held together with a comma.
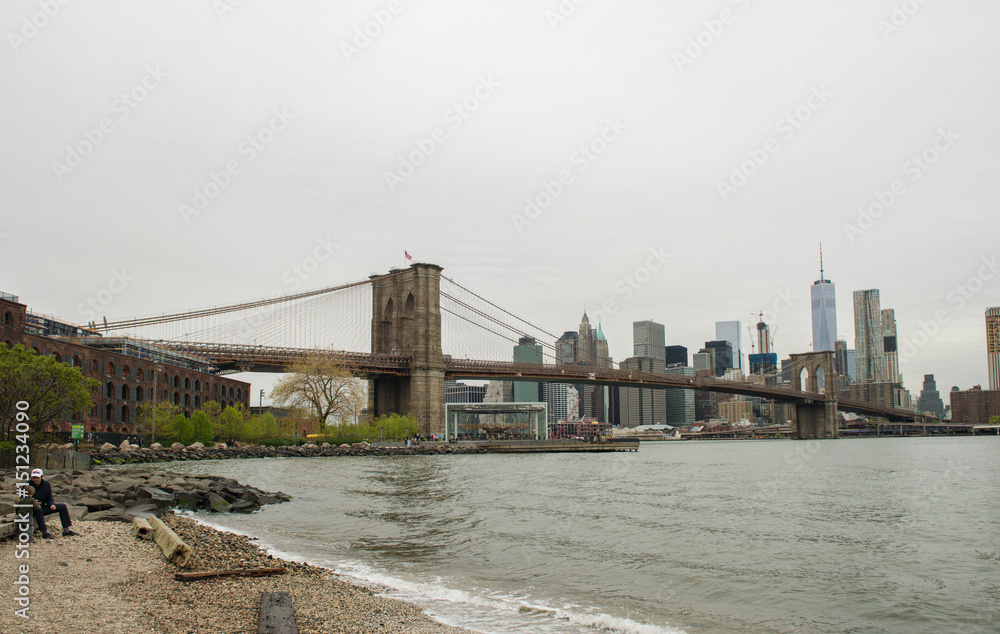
x: 860, y: 536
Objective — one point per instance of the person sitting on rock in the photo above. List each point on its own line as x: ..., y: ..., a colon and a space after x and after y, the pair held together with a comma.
x: 46, y: 505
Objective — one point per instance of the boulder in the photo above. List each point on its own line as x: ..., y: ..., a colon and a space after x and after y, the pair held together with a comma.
x: 156, y: 446
x: 125, y: 446
x: 95, y: 505
x: 77, y: 512
x: 159, y: 497
x: 360, y: 445
x: 112, y: 515
x: 176, y: 447
x: 187, y: 500
x: 144, y: 510
x: 196, y: 446
x: 106, y: 447
x: 215, y: 502
x: 243, y: 506
x: 345, y: 446
x: 122, y: 485
x: 68, y: 445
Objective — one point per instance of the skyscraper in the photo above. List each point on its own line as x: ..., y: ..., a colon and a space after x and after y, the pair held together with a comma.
x: 890, y: 346
x: 730, y: 331
x: 642, y: 406
x: 527, y: 351
x: 824, y: 311
x: 677, y: 354
x: 930, y: 401
x: 869, y: 345
x: 649, y: 340
x: 723, y: 355
x: 993, y: 346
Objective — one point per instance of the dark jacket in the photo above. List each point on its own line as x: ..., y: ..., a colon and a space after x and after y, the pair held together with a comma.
x: 43, y: 493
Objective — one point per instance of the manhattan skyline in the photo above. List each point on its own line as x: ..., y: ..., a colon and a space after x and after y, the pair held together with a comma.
x: 710, y: 171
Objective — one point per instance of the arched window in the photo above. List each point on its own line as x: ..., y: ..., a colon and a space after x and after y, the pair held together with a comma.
x: 138, y: 374
x: 187, y: 400
x: 110, y: 391
x: 76, y: 361
x: 177, y: 381
x: 124, y: 413
x: 125, y: 373
x: 197, y: 401
x: 239, y: 392
x: 197, y: 385
x: 138, y: 393
x: 108, y: 412
x: 55, y: 355
x: 177, y: 398
x: 187, y: 383
x: 124, y: 392
x: 111, y: 369
x: 164, y: 395
x: 94, y: 366
x: 230, y: 392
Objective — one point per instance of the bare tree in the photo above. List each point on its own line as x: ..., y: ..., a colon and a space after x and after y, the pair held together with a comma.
x: 323, y: 386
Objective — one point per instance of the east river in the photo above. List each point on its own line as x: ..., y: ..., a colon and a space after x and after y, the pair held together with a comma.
x: 860, y: 536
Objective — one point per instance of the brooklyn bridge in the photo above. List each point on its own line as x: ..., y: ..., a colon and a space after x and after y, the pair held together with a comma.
x: 393, y: 328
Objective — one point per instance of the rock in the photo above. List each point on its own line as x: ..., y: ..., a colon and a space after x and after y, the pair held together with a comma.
x: 125, y: 446
x: 125, y: 484
x: 196, y: 446
x: 159, y: 497
x: 345, y: 446
x: 112, y: 515
x: 68, y: 445
x: 176, y: 447
x: 77, y: 513
x: 118, y: 498
x: 360, y: 445
x: 215, y: 502
x: 95, y: 505
x: 144, y: 510
x: 243, y: 506
x: 106, y: 447
x: 156, y: 446
x: 6, y: 507
x: 187, y: 500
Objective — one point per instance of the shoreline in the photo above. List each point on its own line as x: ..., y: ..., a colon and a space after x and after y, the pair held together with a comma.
x: 108, y: 580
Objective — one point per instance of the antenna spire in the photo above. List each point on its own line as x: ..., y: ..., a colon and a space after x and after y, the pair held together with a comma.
x: 821, y: 261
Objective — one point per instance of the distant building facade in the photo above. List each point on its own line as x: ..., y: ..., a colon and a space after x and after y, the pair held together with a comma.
x: 824, y: 311
x: 642, y: 406
x: 974, y: 407
x: 868, y: 339
x: 679, y: 402
x: 730, y: 331
x: 993, y: 346
x: 649, y: 340
x: 676, y: 355
x: 890, y: 345
x: 723, y: 355
x: 930, y: 400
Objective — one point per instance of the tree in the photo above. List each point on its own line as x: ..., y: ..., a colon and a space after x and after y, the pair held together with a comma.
x: 214, y: 412
x: 201, y: 427
x: 396, y: 427
x: 994, y: 420
x: 324, y: 387
x: 53, y: 391
x: 234, y: 420
x: 157, y: 420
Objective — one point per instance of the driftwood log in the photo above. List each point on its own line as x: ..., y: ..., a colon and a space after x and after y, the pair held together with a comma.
x: 173, y: 548
x: 276, y: 614
x: 243, y: 572
x: 142, y: 528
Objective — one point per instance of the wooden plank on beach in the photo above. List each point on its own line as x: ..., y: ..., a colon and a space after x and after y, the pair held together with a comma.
x: 276, y: 614
x: 242, y: 572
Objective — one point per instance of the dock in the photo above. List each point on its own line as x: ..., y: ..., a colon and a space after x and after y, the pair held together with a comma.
x: 555, y: 446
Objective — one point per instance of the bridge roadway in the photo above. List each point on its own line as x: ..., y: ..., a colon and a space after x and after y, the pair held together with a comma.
x: 229, y: 358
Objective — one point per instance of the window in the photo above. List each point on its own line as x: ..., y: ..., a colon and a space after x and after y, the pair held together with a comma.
x: 177, y: 398
x: 177, y: 381
x: 110, y: 391
x: 8, y: 318
x: 76, y: 361
x: 126, y: 373
x: 187, y: 383
x: 124, y: 413
x: 138, y: 374
x: 124, y: 392
x: 108, y: 412
x: 138, y: 393
x: 197, y: 401
x: 111, y: 369
x: 187, y: 400
x: 197, y: 385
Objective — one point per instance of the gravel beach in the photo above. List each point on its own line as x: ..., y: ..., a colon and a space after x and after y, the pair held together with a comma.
x: 108, y: 581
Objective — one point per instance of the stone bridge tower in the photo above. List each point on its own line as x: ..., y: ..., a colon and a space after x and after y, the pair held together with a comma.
x: 406, y: 319
x: 818, y: 418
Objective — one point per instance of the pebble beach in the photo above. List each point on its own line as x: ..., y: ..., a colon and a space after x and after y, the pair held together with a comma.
x: 106, y: 580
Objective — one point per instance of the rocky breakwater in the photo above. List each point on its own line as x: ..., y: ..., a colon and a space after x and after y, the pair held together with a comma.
x: 126, y: 453
x: 121, y: 494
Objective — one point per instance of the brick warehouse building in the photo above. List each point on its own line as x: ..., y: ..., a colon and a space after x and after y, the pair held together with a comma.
x: 131, y: 372
x: 975, y: 406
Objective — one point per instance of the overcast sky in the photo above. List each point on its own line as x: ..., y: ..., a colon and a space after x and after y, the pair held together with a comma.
x: 725, y: 138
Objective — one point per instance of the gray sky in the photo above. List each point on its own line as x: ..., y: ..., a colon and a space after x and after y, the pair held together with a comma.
x: 732, y: 135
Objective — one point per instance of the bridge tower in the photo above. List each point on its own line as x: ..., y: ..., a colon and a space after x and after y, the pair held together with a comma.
x: 815, y: 419
x: 406, y: 319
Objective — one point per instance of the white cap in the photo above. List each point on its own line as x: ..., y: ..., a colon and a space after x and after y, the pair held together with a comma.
x: 36, y: 472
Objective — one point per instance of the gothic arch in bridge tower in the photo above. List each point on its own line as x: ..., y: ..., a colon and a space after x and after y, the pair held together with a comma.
x: 815, y: 418
x: 406, y: 320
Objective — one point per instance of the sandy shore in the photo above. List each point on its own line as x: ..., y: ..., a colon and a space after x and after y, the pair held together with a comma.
x: 107, y: 581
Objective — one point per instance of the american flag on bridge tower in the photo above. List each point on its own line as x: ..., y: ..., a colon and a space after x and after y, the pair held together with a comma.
x: 407, y: 255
